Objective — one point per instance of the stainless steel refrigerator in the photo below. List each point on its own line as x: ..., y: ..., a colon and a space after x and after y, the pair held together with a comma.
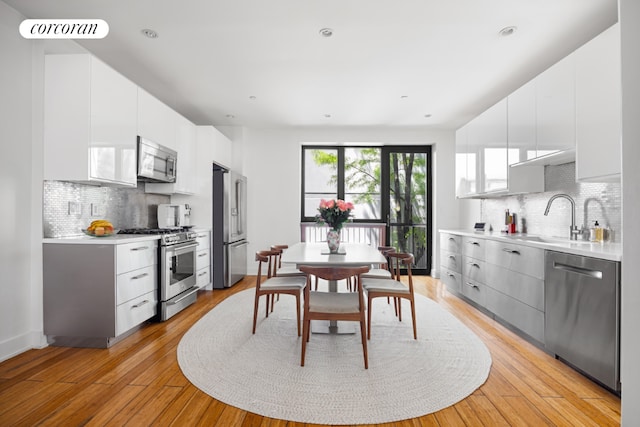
x: 229, y: 227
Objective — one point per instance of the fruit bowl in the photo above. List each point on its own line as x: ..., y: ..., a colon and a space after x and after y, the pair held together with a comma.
x: 106, y: 233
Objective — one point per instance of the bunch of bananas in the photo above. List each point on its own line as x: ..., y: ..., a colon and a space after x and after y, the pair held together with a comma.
x: 100, y: 227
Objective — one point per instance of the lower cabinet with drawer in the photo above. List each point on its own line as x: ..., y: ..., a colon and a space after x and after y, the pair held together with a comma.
x: 103, y: 292
x: 505, y: 279
x: 203, y: 260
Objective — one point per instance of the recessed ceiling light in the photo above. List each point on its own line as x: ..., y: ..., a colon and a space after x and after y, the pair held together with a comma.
x: 404, y: 96
x: 326, y: 32
x: 230, y: 116
x: 427, y: 116
x: 327, y: 116
x: 252, y: 97
x: 507, y: 31
x: 150, y: 33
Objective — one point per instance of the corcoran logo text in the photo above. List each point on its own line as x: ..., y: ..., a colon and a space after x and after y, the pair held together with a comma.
x: 64, y: 29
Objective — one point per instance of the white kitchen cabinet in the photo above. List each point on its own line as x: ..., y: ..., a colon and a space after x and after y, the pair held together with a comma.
x: 555, y: 108
x: 451, y: 261
x: 464, y: 185
x: 186, y: 169
x: 156, y: 121
x: 90, y: 114
x: 203, y: 259
x: 598, y: 108
x: 521, y: 123
x: 102, y: 294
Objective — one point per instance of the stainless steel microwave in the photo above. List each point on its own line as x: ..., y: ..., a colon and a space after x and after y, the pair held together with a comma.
x: 155, y: 162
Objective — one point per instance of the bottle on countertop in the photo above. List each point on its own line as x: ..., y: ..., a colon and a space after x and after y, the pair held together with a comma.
x: 599, y: 232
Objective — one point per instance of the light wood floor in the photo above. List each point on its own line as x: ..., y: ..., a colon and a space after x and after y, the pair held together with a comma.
x: 138, y: 382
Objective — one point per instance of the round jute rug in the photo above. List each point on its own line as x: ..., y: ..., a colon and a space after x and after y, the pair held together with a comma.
x: 261, y: 373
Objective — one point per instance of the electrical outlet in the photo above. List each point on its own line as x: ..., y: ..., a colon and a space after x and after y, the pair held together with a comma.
x: 96, y: 209
x: 74, y: 208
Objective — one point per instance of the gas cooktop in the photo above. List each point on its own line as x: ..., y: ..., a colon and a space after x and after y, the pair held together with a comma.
x: 152, y: 230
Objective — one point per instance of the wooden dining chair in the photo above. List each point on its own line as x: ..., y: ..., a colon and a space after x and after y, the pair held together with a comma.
x: 382, y: 271
x: 393, y: 288
x: 272, y: 285
x: 288, y: 270
x: 347, y: 306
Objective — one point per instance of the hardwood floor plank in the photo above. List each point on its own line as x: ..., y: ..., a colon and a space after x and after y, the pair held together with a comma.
x: 114, y: 406
x: 449, y: 417
x: 148, y: 413
x: 138, y: 381
x: 482, y: 410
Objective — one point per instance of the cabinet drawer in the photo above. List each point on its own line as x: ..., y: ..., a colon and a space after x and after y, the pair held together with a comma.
x: 203, y: 240
x: 450, y: 242
x: 203, y: 277
x: 132, y: 256
x: 526, y: 318
x: 136, y: 311
x: 135, y: 283
x: 527, y: 289
x: 473, y: 247
x: 523, y: 259
x: 473, y: 269
x: 452, y: 280
x: 475, y: 291
x: 451, y: 261
x: 203, y: 259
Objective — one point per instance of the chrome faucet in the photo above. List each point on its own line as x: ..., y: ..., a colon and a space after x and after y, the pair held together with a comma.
x: 573, y: 231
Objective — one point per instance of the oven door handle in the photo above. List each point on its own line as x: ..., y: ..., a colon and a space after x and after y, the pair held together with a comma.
x: 195, y: 289
x: 177, y: 250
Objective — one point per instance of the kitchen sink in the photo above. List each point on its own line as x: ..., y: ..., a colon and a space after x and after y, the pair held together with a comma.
x: 548, y: 240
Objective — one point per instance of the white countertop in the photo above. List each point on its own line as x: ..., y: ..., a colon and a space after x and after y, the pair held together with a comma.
x: 116, y: 239
x: 608, y: 251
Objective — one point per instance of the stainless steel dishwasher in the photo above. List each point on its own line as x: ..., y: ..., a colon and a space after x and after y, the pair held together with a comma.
x: 582, y: 314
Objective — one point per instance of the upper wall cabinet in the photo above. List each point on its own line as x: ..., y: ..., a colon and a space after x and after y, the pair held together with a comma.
x: 598, y: 108
x: 483, y: 155
x: 185, y: 145
x: 555, y: 108
x: 90, y: 114
x: 156, y: 121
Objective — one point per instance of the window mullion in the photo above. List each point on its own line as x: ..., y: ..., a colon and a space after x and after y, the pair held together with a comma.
x: 341, y: 167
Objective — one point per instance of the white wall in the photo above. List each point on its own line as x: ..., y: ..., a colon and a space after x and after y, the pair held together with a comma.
x: 630, y: 369
x: 271, y: 162
x: 20, y: 192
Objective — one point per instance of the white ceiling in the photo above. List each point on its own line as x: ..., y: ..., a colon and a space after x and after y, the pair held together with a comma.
x: 445, y: 56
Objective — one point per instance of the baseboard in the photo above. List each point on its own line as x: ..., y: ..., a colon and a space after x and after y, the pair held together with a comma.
x: 17, y: 345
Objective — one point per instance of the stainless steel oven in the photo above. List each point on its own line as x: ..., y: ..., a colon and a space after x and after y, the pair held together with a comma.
x: 177, y: 264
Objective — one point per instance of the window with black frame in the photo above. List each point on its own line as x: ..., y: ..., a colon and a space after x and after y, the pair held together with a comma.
x: 386, y: 184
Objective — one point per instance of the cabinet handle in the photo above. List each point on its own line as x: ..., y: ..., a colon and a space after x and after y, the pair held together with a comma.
x: 141, y: 248
x: 473, y: 264
x: 139, y: 276
x: 471, y: 285
x: 511, y: 251
x: 474, y: 243
x: 452, y: 257
x: 141, y: 304
x: 452, y: 239
x: 201, y: 235
x: 202, y: 255
x: 202, y: 274
x: 451, y: 275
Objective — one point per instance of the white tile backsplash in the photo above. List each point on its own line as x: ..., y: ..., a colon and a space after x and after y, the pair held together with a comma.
x: 594, y: 201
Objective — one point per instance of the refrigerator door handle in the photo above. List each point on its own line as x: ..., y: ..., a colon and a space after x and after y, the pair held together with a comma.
x: 239, y: 207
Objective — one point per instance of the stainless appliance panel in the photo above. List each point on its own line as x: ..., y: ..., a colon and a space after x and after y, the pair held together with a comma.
x: 236, y: 262
x: 156, y: 163
x: 178, y: 269
x: 582, y: 314
x: 235, y: 202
